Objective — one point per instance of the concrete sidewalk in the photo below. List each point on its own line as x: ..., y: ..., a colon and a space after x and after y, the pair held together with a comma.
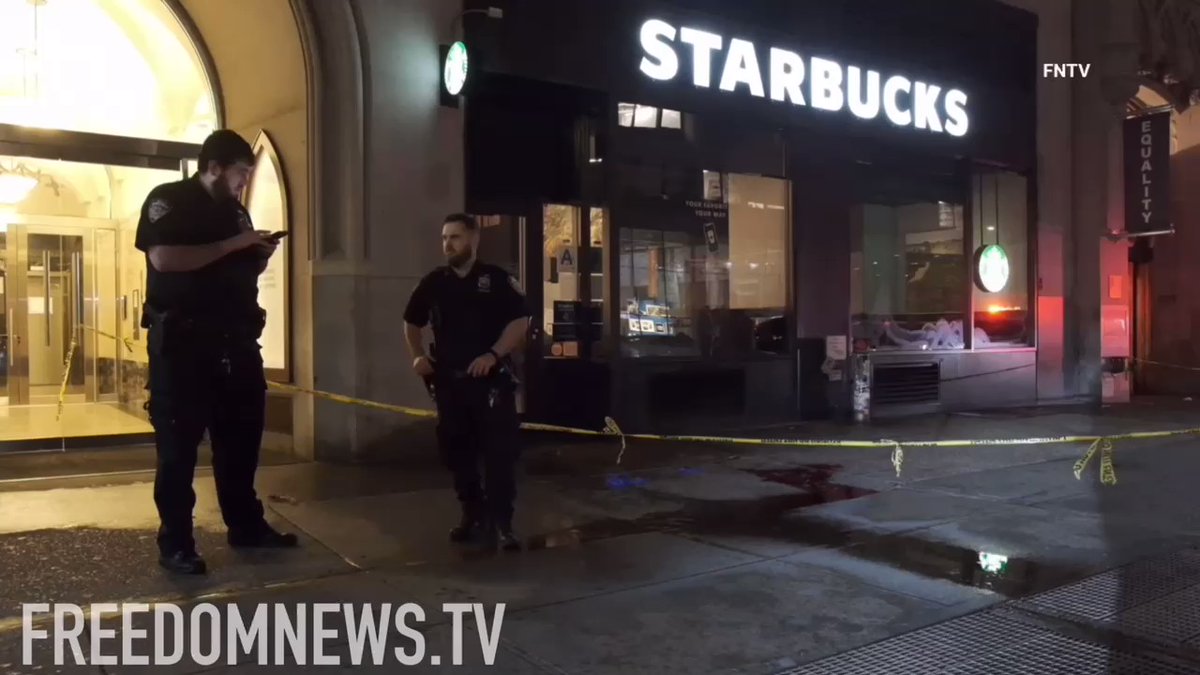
x: 690, y: 559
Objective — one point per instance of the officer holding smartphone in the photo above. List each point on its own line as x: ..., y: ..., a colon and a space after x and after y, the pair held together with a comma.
x: 203, y: 260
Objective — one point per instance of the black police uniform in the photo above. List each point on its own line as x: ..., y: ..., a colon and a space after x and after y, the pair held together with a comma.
x: 477, y: 417
x: 206, y: 367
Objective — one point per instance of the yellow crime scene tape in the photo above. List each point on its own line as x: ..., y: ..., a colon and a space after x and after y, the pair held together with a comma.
x: 1097, y: 444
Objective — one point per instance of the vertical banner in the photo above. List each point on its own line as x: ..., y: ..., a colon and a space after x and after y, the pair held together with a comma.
x: 1147, y: 173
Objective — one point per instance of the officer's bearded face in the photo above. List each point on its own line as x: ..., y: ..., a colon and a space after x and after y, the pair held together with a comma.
x: 231, y: 180
x: 457, y: 244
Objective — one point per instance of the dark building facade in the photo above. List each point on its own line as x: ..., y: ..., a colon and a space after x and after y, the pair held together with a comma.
x: 728, y: 212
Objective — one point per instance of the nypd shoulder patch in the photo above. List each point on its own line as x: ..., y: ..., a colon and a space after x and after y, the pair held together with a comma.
x: 158, y: 208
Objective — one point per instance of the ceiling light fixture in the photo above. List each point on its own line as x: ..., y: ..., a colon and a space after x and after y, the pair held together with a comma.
x: 16, y: 183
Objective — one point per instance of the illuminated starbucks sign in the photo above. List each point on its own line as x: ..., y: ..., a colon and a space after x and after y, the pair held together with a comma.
x: 991, y: 268
x: 455, y: 68
x: 740, y: 67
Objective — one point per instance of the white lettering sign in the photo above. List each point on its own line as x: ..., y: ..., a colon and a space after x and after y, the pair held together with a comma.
x: 1147, y: 153
x: 831, y: 86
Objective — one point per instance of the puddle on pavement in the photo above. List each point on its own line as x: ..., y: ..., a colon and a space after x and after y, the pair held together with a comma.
x: 778, y: 518
x: 817, y: 481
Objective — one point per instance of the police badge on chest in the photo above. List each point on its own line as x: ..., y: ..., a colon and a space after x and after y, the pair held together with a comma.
x: 485, y: 284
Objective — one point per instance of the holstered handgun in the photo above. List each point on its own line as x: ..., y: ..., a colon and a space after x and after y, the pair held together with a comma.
x: 155, y: 322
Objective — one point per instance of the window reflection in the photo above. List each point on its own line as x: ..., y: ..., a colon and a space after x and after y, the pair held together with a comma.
x: 1001, y: 315
x: 706, y: 277
x: 908, y: 272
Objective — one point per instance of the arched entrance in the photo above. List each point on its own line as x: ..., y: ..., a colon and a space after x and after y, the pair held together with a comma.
x: 100, y: 100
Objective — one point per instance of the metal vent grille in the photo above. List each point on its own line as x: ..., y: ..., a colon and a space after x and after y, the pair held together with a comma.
x: 906, y: 383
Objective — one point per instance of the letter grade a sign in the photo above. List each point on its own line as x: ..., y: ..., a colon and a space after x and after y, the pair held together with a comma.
x: 788, y: 77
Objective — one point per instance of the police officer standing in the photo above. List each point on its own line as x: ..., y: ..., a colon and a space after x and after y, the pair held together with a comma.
x: 206, y: 370
x: 479, y: 318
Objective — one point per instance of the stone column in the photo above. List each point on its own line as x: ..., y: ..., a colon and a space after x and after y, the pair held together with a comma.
x: 390, y: 167
x: 1105, y: 36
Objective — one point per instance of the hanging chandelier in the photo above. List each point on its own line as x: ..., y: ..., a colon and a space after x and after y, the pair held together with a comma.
x: 16, y: 183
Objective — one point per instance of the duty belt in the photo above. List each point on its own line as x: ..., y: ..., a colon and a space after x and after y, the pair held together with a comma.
x: 207, y: 327
x: 501, y: 375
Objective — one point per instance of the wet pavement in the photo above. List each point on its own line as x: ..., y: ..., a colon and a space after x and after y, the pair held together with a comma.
x: 690, y: 559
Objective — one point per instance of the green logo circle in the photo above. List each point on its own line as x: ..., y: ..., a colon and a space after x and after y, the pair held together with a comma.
x: 454, y: 71
x: 991, y: 268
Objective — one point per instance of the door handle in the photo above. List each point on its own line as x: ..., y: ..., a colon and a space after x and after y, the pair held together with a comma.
x: 46, y: 299
x: 77, y: 283
x: 137, y: 314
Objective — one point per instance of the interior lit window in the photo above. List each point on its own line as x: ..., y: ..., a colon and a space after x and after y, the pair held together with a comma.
x: 633, y: 115
x: 560, y: 284
x: 69, y: 273
x: 80, y: 219
x: 645, y: 117
x: 704, y: 274
x: 266, y: 202
x: 625, y: 114
x: 78, y: 65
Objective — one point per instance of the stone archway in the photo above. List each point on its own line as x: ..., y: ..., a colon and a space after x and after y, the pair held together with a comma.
x: 263, y: 55
x: 190, y: 66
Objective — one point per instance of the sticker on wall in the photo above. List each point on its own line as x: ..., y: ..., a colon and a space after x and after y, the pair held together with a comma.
x: 566, y: 260
x: 991, y: 268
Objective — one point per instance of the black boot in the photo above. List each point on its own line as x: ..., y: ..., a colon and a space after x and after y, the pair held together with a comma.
x: 509, y: 541
x: 182, y: 562
x: 468, y: 528
x: 263, y: 536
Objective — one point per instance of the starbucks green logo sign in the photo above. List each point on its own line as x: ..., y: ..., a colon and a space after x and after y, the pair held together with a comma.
x: 991, y: 268
x: 454, y: 71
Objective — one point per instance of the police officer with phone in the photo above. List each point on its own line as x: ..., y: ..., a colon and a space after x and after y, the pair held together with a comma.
x: 203, y: 260
x: 480, y: 319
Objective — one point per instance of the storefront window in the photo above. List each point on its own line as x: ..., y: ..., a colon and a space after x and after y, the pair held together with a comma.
x: 908, y: 272
x: 1000, y: 266
x: 648, y: 117
x: 706, y: 277
x: 560, y: 283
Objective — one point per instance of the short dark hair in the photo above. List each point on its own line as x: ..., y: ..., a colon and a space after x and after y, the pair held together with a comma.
x: 226, y: 148
x: 467, y: 220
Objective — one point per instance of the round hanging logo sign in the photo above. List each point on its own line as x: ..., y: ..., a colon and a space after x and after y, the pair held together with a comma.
x: 454, y: 71
x: 991, y: 268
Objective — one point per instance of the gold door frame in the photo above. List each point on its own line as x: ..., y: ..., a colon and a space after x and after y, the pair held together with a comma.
x: 83, y: 314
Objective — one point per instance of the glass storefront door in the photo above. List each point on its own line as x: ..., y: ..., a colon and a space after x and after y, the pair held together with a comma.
x: 50, y: 305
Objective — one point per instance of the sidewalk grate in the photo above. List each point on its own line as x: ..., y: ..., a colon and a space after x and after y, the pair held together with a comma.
x: 926, y: 650
x: 1110, y: 593
x: 1054, y: 654
x: 1173, y: 620
x: 987, y: 644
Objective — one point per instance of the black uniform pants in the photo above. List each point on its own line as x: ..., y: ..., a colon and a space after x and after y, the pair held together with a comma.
x: 199, y: 385
x: 478, y: 425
